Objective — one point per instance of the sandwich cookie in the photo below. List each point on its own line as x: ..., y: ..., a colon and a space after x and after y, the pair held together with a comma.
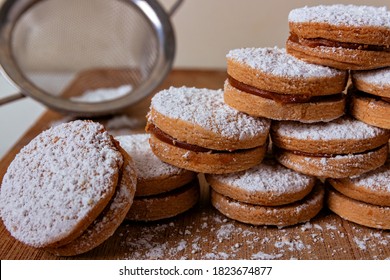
x: 372, y: 187
x: 370, y: 97
x: 62, y: 186
x: 341, y: 148
x: 341, y: 36
x: 284, y: 215
x: 163, y: 190
x: 153, y: 175
x: 359, y: 212
x: 270, y: 83
x: 267, y: 184
x: 194, y: 129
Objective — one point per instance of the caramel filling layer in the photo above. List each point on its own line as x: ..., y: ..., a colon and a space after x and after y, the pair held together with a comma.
x: 321, y: 42
x: 353, y: 90
x: 161, y: 135
x: 278, y: 150
x: 283, y: 98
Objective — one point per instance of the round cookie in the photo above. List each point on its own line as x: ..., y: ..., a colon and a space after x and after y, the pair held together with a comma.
x: 194, y: 129
x: 341, y: 148
x: 370, y: 97
x: 60, y: 183
x: 267, y: 184
x: 165, y: 205
x: 106, y: 223
x: 358, y: 212
x: 341, y: 36
x: 268, y: 82
x: 372, y: 187
x: 285, y: 215
x: 153, y: 175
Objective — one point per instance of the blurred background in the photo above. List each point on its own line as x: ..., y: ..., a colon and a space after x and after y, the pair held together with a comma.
x: 205, y: 31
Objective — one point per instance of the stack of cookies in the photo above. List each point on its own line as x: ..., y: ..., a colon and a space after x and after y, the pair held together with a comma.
x: 78, y: 183
x: 317, y: 128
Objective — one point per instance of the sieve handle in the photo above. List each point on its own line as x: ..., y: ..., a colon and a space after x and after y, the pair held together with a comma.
x: 174, y: 7
x: 11, y: 98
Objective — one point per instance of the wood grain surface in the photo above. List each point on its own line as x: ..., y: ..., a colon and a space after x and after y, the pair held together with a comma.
x: 202, y: 232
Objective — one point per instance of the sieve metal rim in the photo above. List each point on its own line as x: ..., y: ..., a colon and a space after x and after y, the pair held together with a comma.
x: 159, y: 21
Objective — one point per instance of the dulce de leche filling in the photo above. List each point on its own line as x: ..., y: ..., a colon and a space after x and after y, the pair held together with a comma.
x: 282, y: 98
x: 161, y: 135
x: 355, y: 91
x: 321, y: 42
x: 279, y: 150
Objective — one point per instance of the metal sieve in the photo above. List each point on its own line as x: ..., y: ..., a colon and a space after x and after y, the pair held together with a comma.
x: 59, y: 51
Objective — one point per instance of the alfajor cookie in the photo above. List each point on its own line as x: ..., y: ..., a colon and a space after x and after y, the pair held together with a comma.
x: 153, y: 175
x: 163, y: 190
x: 359, y: 212
x: 372, y: 187
x: 270, y: 83
x: 370, y: 97
x: 341, y: 148
x: 268, y: 183
x: 341, y: 36
x: 61, y: 186
x: 284, y: 215
x: 194, y: 129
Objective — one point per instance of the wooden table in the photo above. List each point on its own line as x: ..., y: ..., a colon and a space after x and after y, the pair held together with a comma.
x: 202, y: 232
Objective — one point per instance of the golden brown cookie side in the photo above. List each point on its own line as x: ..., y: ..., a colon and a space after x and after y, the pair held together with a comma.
x: 286, y: 215
x: 334, y: 167
x: 262, y: 107
x: 284, y: 84
x: 165, y: 205
x: 343, y: 59
x: 224, y: 162
x: 358, y: 212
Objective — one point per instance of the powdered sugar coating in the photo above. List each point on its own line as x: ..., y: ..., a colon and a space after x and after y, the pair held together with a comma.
x: 346, y: 15
x: 56, y: 180
x: 344, y: 128
x: 379, y: 78
x: 277, y: 62
x: 268, y: 176
x: 378, y: 179
x: 147, y: 165
x: 206, y: 108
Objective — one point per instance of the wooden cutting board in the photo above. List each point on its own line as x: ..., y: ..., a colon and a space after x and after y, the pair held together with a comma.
x: 202, y: 232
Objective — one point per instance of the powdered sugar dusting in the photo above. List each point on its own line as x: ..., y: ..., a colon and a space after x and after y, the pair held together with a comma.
x: 147, y: 164
x: 206, y: 108
x: 378, y: 179
x: 220, y: 238
x: 268, y: 176
x: 276, y: 61
x: 346, y: 15
x: 379, y: 77
x: 103, y: 94
x: 344, y: 128
x: 56, y: 180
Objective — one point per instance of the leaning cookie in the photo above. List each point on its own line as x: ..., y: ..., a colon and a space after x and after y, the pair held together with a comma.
x: 359, y: 212
x: 59, y: 185
x: 370, y: 97
x: 270, y: 83
x: 372, y: 187
x: 341, y: 36
x: 153, y: 175
x: 284, y: 215
x: 267, y: 184
x: 106, y: 223
x: 341, y: 148
x: 194, y: 129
